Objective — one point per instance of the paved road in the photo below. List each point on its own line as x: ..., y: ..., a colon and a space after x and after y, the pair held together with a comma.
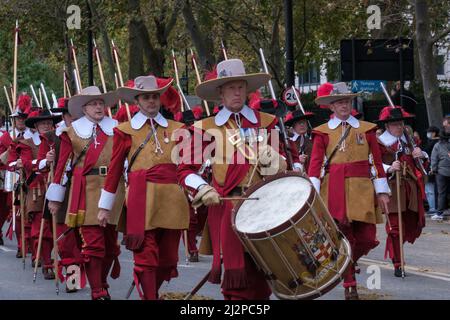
x: 428, y: 273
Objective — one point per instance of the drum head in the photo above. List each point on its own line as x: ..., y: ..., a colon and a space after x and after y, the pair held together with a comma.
x: 279, y: 200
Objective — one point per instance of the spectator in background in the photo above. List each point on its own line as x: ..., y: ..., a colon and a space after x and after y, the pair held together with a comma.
x: 430, y: 186
x: 440, y: 166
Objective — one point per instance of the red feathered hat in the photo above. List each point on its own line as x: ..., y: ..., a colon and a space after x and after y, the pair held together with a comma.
x: 170, y: 99
x: 324, y: 90
x: 391, y: 114
x: 62, y: 106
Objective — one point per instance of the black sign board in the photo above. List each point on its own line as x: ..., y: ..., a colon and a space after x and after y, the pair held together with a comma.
x: 380, y: 59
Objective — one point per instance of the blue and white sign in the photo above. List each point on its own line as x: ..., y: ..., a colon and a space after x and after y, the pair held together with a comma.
x: 367, y: 85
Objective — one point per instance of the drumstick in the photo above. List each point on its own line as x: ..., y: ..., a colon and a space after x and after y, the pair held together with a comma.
x: 237, y: 198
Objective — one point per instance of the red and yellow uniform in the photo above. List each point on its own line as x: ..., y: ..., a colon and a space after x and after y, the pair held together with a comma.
x: 99, y: 249
x: 157, y: 208
x: 350, y: 181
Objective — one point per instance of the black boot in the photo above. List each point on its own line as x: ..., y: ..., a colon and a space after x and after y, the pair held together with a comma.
x: 398, y: 272
x: 1, y: 241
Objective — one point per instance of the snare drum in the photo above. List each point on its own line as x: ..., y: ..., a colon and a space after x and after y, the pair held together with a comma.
x: 292, y: 237
x: 10, y: 179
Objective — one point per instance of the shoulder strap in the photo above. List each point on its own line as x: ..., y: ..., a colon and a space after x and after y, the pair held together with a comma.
x: 139, y: 149
x: 338, y: 145
x: 83, y: 151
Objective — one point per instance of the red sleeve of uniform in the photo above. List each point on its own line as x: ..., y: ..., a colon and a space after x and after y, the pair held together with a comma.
x: 5, y: 142
x: 320, y: 143
x: 26, y: 155
x: 65, y: 151
x: 12, y: 155
x: 121, y: 148
x: 376, y: 153
x: 42, y: 153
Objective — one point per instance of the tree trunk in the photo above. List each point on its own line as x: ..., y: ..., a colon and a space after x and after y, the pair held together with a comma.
x: 135, y: 54
x: 428, y: 64
x: 202, y: 44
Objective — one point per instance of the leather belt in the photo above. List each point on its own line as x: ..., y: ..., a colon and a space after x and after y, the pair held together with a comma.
x: 101, y: 171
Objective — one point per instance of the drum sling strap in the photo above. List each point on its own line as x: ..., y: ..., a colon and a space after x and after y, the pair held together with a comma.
x: 336, y: 148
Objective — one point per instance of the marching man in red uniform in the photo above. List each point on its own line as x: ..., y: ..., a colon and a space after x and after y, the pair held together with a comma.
x: 88, y: 144
x: 398, y: 155
x: 347, y: 170
x: 43, y: 122
x: 20, y: 132
x: 227, y: 140
x: 157, y: 208
x: 69, y: 247
x: 298, y: 121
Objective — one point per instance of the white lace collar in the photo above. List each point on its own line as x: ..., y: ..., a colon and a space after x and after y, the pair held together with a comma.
x: 335, y: 122
x: 139, y: 120
x: 84, y: 127
x: 35, y: 137
x: 222, y: 117
x: 296, y: 136
x: 388, y: 139
x: 27, y: 133
x: 60, y: 127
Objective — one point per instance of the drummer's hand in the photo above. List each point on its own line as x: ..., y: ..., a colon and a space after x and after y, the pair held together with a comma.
x: 50, y: 157
x: 103, y: 217
x: 19, y: 164
x: 53, y: 207
x: 417, y: 153
x: 207, y: 196
x: 303, y: 158
x: 383, y: 202
x: 396, y: 166
x: 271, y: 160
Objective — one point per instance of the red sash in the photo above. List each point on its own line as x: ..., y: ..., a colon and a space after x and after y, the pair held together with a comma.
x: 223, y: 236
x: 336, y: 185
x: 77, y: 208
x: 137, y: 199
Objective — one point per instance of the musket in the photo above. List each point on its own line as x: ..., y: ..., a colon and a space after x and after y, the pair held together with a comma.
x: 14, y: 104
x: 77, y: 84
x: 35, y: 97
x: 199, y: 81
x: 177, y: 78
x: 66, y: 84
x: 40, y: 97
x: 300, y: 105
x: 280, y: 119
x: 16, y: 49
x: 100, y: 69
x: 22, y: 216
x: 44, y: 92
x: 409, y: 137
x: 55, y: 244
x: 8, y: 100
x: 224, y: 50
x: 119, y: 73
x: 400, y: 224
x: 75, y: 60
x: 14, y: 174
x: 55, y: 101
